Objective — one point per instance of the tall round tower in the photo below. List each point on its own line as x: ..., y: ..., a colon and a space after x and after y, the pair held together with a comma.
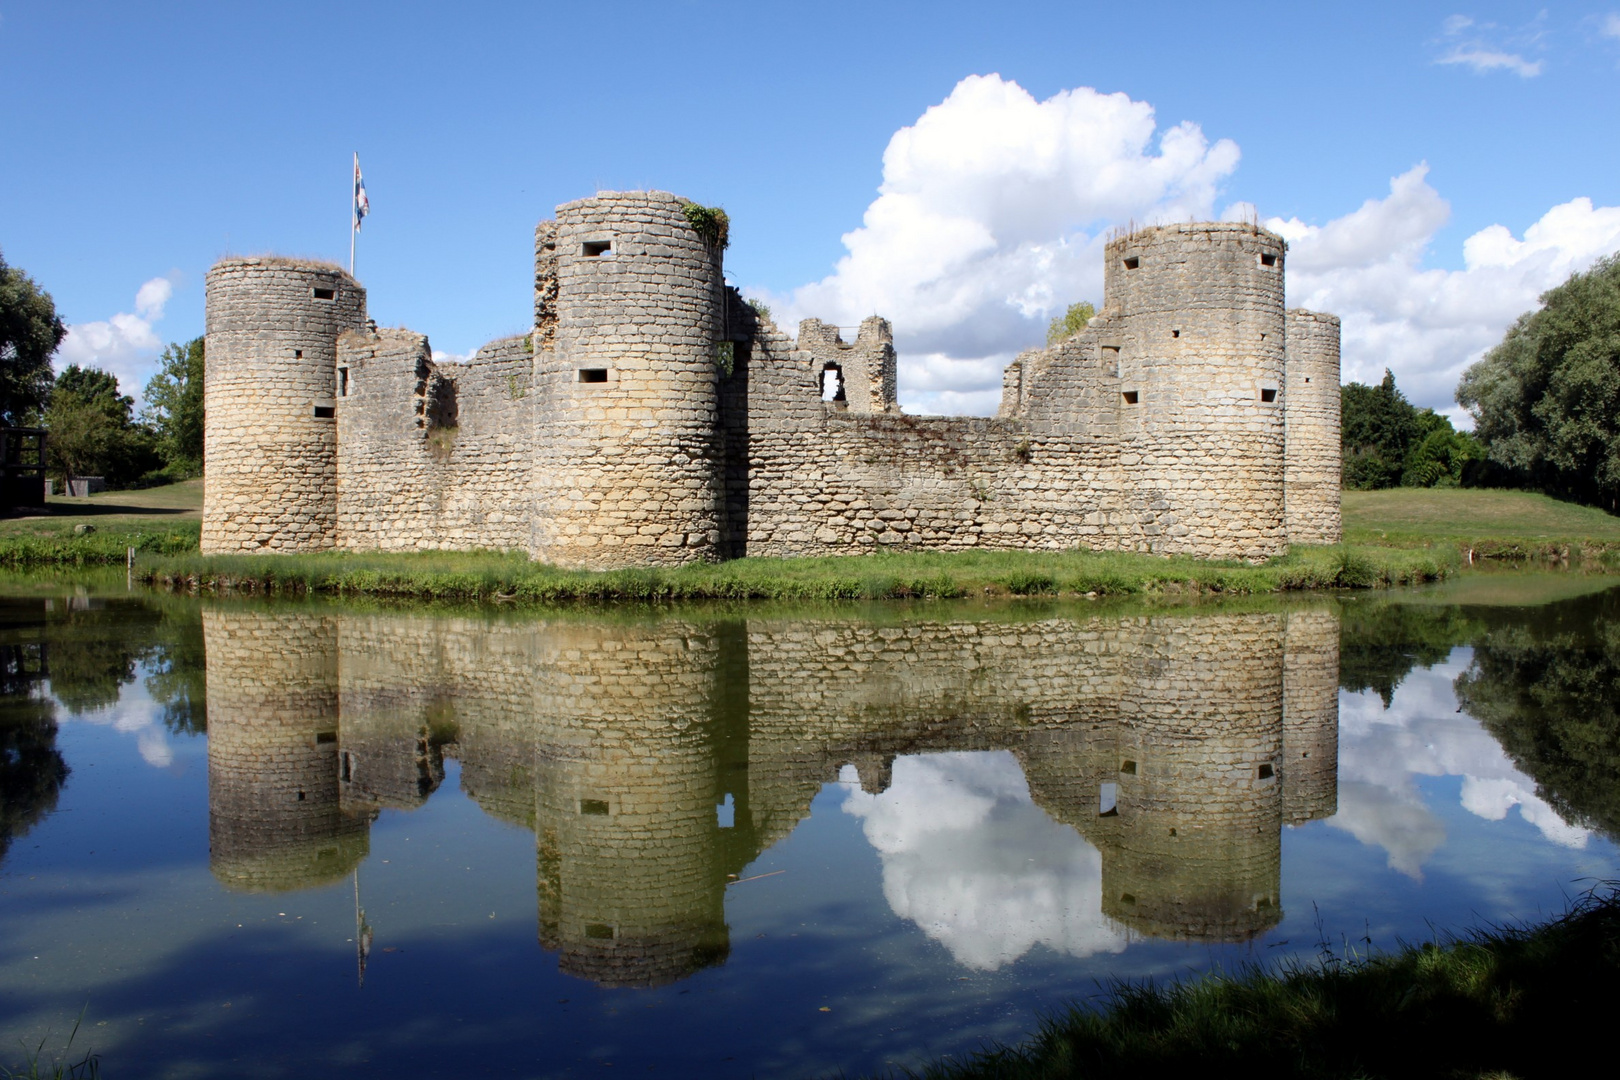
x: 270, y: 437
x: 627, y: 463
x: 1315, y: 457
x: 1200, y: 357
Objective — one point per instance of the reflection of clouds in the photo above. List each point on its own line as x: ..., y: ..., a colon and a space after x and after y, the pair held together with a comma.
x: 978, y: 866
x: 138, y: 715
x: 1422, y: 733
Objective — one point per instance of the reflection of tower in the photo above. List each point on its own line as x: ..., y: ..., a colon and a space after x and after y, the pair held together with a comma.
x: 1310, y: 748
x: 632, y: 880
x: 1196, y: 845
x: 273, y: 807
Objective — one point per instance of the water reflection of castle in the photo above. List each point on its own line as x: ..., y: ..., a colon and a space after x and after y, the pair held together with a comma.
x: 615, y: 741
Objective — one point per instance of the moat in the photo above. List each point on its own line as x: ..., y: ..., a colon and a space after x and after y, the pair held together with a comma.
x: 265, y: 839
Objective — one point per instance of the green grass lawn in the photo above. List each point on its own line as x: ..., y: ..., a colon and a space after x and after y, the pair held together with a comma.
x: 1458, y: 516
x: 121, y: 510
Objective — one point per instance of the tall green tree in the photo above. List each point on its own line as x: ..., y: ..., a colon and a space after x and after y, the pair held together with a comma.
x: 1546, y: 401
x: 30, y: 331
x: 174, y: 407
x: 92, y: 429
x: 1389, y: 442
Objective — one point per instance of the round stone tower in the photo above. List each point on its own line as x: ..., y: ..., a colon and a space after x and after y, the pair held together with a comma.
x: 270, y: 435
x: 627, y: 463
x: 1200, y: 358
x: 1313, y: 475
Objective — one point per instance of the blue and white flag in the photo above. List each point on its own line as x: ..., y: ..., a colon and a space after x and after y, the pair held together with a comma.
x: 362, y: 205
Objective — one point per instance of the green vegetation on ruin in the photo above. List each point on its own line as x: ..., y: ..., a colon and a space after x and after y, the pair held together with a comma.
x: 1508, y: 1002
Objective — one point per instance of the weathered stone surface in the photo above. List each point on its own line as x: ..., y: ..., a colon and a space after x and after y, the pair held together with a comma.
x: 653, y: 418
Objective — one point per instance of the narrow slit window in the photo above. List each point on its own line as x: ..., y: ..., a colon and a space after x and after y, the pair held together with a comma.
x: 1132, y: 262
x: 595, y: 249
x: 343, y: 382
x: 593, y: 375
x: 348, y: 767
x: 322, y: 293
x: 1268, y: 259
x: 594, y: 807
x: 1268, y: 394
x: 1131, y: 397
x: 325, y: 412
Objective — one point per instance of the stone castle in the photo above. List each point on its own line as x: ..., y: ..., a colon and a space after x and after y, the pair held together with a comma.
x: 616, y: 742
x: 652, y: 417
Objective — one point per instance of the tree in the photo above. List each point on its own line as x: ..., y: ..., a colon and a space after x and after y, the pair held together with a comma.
x: 30, y: 331
x: 1070, y: 323
x: 1389, y: 442
x: 1546, y: 401
x: 174, y: 407
x: 92, y: 432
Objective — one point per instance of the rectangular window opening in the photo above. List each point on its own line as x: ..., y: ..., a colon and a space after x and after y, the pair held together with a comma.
x: 1131, y: 397
x: 348, y: 766
x: 343, y: 382
x: 726, y: 813
x: 1127, y: 898
x: 325, y: 294
x: 597, y: 807
x: 599, y: 931
x: 596, y: 248
x: 324, y: 412
x: 1133, y: 262
x: 1265, y: 772
x: 1268, y: 260
x: 1108, y: 800
x: 1128, y: 768
x: 322, y: 737
x: 298, y: 354
x: 593, y: 374
x: 1175, y: 333
x: 1268, y: 394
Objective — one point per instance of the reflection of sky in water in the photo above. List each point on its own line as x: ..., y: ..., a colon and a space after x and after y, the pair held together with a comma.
x: 135, y: 714
x: 977, y: 865
x: 1383, y: 752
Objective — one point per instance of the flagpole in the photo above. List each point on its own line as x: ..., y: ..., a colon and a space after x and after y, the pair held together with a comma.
x: 352, y: 197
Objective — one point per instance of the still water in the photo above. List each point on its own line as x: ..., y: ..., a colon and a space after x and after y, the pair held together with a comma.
x: 266, y: 840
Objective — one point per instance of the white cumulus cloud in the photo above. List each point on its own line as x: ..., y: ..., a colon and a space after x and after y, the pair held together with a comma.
x: 970, y: 858
x: 126, y: 344
x: 990, y: 219
x: 1428, y: 325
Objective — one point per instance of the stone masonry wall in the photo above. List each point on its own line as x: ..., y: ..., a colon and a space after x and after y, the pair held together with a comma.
x: 627, y: 447
x: 1313, y: 476
x: 432, y: 455
x: 270, y: 443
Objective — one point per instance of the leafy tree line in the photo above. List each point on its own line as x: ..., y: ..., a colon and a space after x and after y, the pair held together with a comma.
x: 1546, y: 401
x: 1389, y: 442
x: 94, y: 430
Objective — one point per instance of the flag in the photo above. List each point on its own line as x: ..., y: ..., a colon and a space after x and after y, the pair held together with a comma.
x: 362, y: 205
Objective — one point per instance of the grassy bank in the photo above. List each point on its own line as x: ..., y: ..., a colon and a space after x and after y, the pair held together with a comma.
x: 98, y: 530
x: 1490, y: 523
x: 885, y: 575
x: 1505, y: 1003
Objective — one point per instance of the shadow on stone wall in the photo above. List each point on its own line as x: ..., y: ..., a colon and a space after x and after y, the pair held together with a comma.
x: 655, y: 759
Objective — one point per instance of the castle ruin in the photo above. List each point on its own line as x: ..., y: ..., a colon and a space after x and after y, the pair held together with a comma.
x: 652, y: 417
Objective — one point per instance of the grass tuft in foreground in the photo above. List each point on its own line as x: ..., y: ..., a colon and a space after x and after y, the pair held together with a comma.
x: 512, y: 577
x: 1514, y: 1002
x: 86, y: 1068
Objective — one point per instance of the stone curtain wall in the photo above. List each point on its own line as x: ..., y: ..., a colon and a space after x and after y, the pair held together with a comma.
x: 432, y: 455
x: 1313, y: 475
x: 270, y: 445
x: 627, y: 446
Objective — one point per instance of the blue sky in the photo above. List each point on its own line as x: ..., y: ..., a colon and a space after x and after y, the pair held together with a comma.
x: 951, y: 166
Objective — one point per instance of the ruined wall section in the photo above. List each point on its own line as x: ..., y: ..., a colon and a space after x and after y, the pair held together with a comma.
x: 1314, y: 471
x: 867, y: 378
x: 432, y: 455
x: 627, y: 451
x: 1201, y: 374
x: 270, y: 441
